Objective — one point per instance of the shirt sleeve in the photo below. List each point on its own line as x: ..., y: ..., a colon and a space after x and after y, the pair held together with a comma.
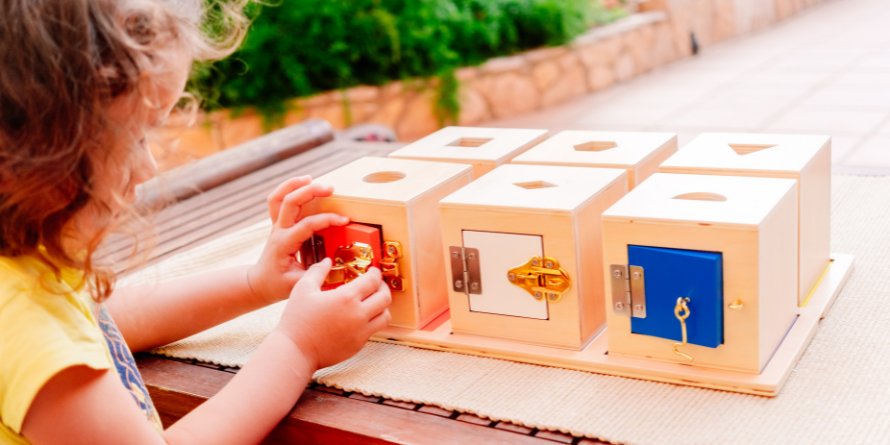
x: 41, y: 335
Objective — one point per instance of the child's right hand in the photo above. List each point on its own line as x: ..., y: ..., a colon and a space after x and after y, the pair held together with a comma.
x: 331, y: 326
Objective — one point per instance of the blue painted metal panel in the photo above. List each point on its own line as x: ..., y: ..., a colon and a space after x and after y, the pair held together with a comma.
x: 673, y: 273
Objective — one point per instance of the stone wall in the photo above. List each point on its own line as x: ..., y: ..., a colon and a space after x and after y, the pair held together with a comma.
x: 659, y: 34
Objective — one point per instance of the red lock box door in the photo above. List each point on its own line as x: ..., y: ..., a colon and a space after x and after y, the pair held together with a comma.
x: 325, y: 244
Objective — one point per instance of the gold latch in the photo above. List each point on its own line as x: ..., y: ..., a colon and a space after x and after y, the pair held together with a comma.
x: 350, y: 262
x: 392, y: 251
x: 355, y: 259
x: 541, y: 277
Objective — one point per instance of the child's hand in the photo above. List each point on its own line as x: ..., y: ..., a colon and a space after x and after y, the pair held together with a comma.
x: 329, y: 327
x: 273, y: 277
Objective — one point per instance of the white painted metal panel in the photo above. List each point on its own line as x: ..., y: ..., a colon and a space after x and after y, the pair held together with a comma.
x: 498, y: 253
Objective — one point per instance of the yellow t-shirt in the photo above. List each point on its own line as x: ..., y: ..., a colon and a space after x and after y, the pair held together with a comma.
x: 49, y: 325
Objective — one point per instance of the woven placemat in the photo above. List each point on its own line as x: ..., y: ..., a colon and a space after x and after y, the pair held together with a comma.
x: 838, y: 393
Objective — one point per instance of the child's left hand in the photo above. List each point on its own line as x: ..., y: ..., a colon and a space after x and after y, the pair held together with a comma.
x: 273, y: 277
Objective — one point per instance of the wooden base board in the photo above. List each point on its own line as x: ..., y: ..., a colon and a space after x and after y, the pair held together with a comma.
x: 595, y: 357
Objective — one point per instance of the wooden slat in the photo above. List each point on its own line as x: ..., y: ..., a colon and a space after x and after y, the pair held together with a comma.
x: 229, y: 207
x: 315, y: 162
x: 319, y: 417
x: 205, y: 174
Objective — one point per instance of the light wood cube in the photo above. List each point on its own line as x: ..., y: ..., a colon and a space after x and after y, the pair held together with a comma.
x: 728, y: 244
x: 804, y: 158
x: 522, y: 233
x: 639, y: 154
x: 401, y: 198
x: 483, y: 148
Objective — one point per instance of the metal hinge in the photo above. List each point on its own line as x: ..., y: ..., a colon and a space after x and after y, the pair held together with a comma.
x: 312, y: 251
x: 541, y: 277
x: 466, y: 276
x: 628, y: 290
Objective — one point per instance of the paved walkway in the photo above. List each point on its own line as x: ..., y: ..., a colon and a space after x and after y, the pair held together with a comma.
x: 825, y: 71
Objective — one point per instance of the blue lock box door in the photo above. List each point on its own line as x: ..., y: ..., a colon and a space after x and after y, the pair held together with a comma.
x: 673, y: 273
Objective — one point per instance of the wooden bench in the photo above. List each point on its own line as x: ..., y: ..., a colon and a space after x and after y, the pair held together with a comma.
x: 226, y: 192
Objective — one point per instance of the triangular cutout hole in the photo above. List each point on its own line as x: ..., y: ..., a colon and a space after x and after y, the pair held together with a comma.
x: 470, y: 142
x: 534, y: 185
x: 701, y: 196
x: 596, y: 146
x: 746, y: 149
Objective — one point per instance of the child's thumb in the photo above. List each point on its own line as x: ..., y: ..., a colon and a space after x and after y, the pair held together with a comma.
x: 314, y: 277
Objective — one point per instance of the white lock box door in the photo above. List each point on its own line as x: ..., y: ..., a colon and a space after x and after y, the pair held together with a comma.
x: 498, y: 253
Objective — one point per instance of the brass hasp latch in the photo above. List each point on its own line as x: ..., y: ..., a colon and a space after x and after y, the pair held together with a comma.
x: 541, y: 277
x: 354, y: 259
x: 392, y: 251
x: 350, y: 262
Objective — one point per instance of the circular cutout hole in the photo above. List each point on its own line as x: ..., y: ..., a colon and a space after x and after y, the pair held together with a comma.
x: 384, y: 177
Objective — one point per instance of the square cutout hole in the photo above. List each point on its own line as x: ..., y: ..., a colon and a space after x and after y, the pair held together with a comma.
x: 596, y: 146
x: 470, y: 142
x: 534, y: 185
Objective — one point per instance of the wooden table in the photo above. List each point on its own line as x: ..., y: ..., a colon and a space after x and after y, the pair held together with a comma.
x: 326, y: 415
x: 323, y: 415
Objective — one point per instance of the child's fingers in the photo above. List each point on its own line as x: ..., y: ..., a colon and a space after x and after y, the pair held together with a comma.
x: 276, y: 197
x: 309, y: 225
x: 378, y: 301
x: 314, y: 277
x: 293, y: 202
x: 364, y: 285
x: 380, y: 322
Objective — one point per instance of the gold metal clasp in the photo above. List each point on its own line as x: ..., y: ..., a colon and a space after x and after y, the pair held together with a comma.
x: 679, y: 310
x: 350, y: 262
x: 392, y: 251
x: 541, y: 277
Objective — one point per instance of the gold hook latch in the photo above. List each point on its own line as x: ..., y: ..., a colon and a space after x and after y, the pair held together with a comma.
x: 541, y: 277
x: 681, y: 311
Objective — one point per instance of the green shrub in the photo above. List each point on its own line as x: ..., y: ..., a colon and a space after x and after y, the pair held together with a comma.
x: 303, y: 47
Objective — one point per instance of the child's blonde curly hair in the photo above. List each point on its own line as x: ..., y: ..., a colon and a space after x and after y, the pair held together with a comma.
x: 62, y: 63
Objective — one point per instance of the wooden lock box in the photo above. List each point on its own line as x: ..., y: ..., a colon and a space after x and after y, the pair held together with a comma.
x: 639, y: 154
x: 483, y: 148
x: 523, y: 253
x: 392, y: 205
x: 806, y: 159
x: 701, y: 270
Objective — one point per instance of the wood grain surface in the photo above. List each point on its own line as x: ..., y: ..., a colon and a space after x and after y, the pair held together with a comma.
x: 331, y: 416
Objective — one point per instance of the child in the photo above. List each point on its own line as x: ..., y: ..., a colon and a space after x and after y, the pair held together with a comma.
x: 81, y: 84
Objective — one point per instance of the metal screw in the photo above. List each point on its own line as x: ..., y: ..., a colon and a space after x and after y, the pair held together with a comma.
x: 511, y: 276
x: 552, y: 297
x: 339, y: 261
x: 538, y: 296
x: 471, y: 256
x: 455, y: 254
x: 549, y: 264
x: 638, y: 308
x: 474, y: 286
x: 459, y: 284
x: 616, y: 273
x: 392, y: 250
x: 535, y: 262
x: 636, y: 275
x: 619, y: 305
x: 395, y: 282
